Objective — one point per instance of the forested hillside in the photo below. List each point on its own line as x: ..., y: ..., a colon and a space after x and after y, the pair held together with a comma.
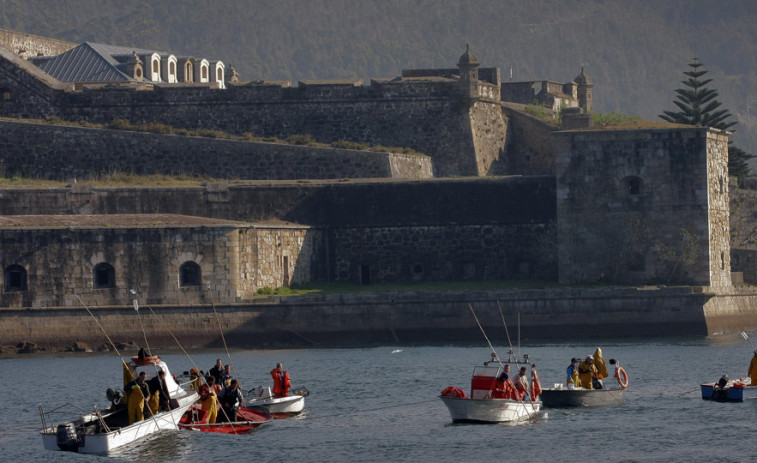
x: 635, y: 51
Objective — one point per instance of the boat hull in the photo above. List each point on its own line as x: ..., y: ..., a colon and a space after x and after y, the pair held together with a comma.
x: 278, y: 407
x: 195, y: 419
x: 469, y: 410
x: 565, y: 398
x: 104, y: 442
x: 734, y: 393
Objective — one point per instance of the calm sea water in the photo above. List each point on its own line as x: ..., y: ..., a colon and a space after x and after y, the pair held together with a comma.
x: 373, y: 405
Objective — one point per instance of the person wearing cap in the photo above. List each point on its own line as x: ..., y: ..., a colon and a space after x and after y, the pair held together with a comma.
x: 753, y: 369
x: 587, y: 372
x: 573, y: 381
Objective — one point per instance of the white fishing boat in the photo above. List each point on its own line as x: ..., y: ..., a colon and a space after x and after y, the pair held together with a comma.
x: 261, y: 398
x: 106, y: 429
x: 485, y: 405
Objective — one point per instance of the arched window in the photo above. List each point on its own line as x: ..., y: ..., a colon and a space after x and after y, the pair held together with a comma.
x: 15, y: 278
x: 190, y: 274
x: 155, y: 66
x: 632, y: 185
x: 138, y: 73
x: 219, y: 75
x: 6, y: 94
x: 103, y: 276
x: 189, y: 74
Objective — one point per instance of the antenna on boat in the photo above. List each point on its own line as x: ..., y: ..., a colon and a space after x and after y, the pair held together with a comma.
x: 494, y: 352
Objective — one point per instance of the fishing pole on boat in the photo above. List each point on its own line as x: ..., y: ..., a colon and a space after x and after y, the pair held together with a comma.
x: 112, y: 344
x: 485, y: 337
x: 744, y: 335
x: 220, y: 328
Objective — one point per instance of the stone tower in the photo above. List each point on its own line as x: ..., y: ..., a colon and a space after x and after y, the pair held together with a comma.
x: 468, y: 65
x: 585, y: 99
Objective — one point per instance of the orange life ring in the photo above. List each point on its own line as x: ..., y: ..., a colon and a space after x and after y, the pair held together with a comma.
x: 535, y: 386
x: 145, y: 360
x: 622, y: 377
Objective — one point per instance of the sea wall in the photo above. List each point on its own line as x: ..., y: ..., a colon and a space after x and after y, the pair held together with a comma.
x: 568, y: 314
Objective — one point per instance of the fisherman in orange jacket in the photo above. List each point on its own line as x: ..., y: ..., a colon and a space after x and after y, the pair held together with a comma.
x: 281, y: 383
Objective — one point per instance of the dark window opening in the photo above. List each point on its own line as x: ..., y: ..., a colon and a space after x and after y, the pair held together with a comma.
x: 104, y: 276
x: 637, y: 263
x: 15, y: 278
x: 632, y: 185
x: 365, y: 274
x: 6, y: 94
x: 418, y: 268
x: 190, y: 274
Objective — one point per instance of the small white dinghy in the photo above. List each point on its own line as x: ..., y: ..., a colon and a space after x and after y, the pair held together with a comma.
x: 261, y: 398
x: 484, y: 405
x: 104, y: 430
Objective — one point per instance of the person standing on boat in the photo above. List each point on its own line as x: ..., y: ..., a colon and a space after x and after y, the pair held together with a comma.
x: 521, y: 383
x: 231, y: 398
x: 281, y: 381
x: 157, y: 385
x: 573, y: 381
x: 136, y: 392
x: 587, y: 372
x: 217, y: 371
x: 753, y: 369
x: 599, y: 362
x: 503, y: 387
x: 226, y: 376
x: 209, y: 400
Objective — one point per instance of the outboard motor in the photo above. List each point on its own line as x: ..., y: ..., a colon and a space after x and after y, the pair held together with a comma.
x: 66, y: 437
x: 723, y: 381
x: 115, y: 397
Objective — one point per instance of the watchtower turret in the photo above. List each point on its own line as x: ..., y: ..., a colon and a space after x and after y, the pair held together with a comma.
x: 585, y: 88
x: 468, y: 65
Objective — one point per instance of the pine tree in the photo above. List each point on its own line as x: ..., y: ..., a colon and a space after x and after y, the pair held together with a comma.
x: 697, y: 103
x: 698, y: 106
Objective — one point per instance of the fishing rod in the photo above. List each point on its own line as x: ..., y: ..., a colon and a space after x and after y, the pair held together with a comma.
x: 220, y: 328
x: 485, y: 337
x: 744, y: 335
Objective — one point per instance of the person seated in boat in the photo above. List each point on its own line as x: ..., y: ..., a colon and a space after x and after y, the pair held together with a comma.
x: 503, y: 387
x: 752, y: 373
x: 599, y: 363
x: 281, y: 381
x: 136, y: 392
x: 230, y: 398
x: 217, y: 371
x: 573, y: 381
x: 158, y: 387
x: 226, y: 375
x: 587, y: 372
x: 521, y: 383
x: 209, y: 401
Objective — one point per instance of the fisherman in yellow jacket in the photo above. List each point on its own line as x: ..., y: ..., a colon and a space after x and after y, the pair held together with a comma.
x: 587, y: 372
x: 136, y: 392
x: 753, y: 369
x: 599, y: 363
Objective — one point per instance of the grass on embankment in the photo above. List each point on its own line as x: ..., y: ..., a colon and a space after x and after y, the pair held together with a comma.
x: 343, y: 288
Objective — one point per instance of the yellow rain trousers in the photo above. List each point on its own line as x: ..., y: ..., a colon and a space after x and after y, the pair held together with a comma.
x: 211, y: 405
x: 154, y: 403
x: 586, y: 372
x: 136, y: 405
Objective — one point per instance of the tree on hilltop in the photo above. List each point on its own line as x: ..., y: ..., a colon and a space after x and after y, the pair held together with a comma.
x: 699, y: 106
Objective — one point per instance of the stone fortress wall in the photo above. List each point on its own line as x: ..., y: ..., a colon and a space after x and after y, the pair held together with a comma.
x: 63, y: 153
x: 386, y: 231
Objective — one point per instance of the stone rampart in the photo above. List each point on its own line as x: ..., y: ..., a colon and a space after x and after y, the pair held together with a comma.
x: 28, y: 45
x: 616, y: 194
x: 62, y: 153
x: 408, y: 318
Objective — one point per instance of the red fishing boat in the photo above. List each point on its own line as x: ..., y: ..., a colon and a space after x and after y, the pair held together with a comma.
x: 196, y: 419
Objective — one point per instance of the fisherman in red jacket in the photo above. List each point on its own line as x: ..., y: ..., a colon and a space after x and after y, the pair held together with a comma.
x: 281, y: 383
